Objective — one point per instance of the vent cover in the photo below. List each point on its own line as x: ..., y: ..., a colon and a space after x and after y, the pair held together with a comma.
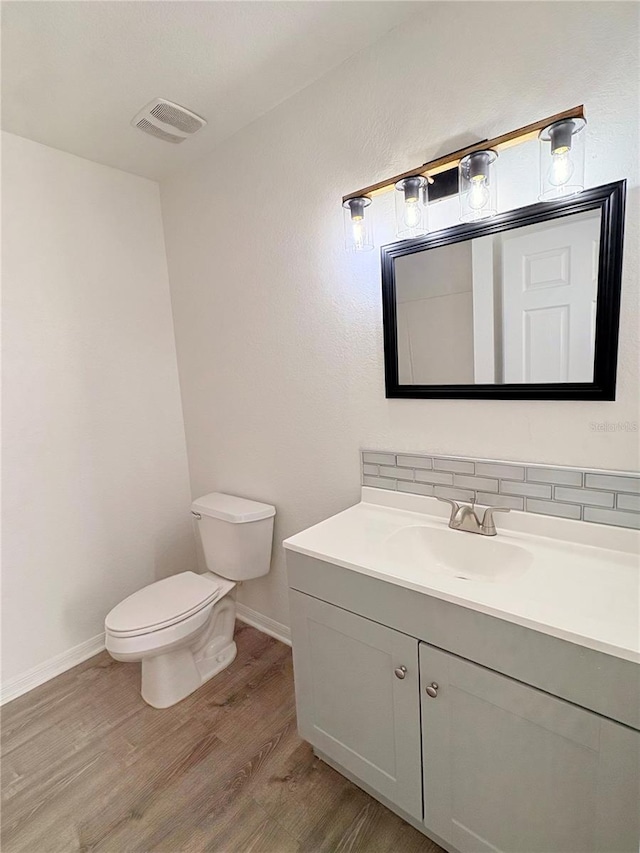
x: 167, y: 121
x: 145, y: 125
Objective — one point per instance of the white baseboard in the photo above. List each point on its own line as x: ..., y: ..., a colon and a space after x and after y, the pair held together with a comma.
x: 263, y: 623
x: 36, y: 676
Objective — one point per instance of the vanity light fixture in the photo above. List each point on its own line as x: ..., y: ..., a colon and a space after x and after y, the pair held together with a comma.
x: 358, y: 235
x: 411, y: 207
x: 477, y: 186
x: 562, y: 174
x: 562, y: 159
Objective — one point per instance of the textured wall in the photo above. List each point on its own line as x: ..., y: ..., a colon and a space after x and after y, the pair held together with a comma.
x: 279, y: 331
x: 96, y: 492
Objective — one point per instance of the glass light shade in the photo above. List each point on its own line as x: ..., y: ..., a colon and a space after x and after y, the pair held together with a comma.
x: 358, y: 233
x: 478, y: 186
x: 562, y: 159
x: 411, y: 207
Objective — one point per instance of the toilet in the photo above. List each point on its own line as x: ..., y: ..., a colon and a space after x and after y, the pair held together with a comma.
x: 181, y: 628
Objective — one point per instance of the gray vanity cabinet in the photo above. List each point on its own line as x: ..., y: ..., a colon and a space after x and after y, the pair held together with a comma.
x: 486, y: 736
x: 509, y: 768
x: 358, y: 697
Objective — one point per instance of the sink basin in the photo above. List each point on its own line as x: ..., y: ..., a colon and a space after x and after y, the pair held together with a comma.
x: 575, y: 581
x: 466, y: 556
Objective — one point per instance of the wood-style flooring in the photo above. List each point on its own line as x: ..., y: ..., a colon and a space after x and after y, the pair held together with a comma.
x: 88, y: 766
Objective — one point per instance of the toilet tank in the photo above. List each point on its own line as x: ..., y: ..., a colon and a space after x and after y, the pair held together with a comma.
x: 236, y: 535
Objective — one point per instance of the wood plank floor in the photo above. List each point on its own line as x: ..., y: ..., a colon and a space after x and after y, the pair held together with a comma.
x: 88, y: 766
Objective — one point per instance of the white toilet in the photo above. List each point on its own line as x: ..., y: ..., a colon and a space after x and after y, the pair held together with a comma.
x: 181, y: 628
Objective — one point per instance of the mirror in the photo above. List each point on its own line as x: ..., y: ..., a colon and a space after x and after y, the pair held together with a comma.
x: 521, y: 306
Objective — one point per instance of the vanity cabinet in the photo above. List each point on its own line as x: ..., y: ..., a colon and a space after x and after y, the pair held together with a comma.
x: 448, y: 717
x: 358, y: 699
x: 508, y: 768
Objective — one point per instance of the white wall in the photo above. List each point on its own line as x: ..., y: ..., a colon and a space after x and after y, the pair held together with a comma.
x: 279, y: 331
x: 96, y: 493
x: 434, y: 313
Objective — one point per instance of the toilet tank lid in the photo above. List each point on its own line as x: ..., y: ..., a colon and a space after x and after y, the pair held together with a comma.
x: 231, y: 508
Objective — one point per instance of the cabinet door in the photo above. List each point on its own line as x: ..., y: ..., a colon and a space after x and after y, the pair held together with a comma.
x: 509, y: 769
x: 352, y: 705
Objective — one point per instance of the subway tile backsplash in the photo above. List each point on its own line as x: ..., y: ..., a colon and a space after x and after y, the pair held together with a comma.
x: 630, y: 502
x: 602, y: 497
x: 415, y: 461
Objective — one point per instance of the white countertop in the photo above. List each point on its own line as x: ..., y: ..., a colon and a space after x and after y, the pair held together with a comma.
x: 581, y: 581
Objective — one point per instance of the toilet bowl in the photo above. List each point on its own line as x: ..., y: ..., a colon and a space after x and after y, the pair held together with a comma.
x: 181, y: 628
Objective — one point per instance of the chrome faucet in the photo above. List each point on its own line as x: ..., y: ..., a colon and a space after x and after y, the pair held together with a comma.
x: 463, y: 517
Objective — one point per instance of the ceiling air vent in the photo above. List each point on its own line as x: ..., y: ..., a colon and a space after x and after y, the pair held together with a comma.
x: 167, y: 121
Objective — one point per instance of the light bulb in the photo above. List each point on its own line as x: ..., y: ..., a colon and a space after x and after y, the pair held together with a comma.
x: 359, y: 232
x: 478, y: 193
x: 411, y: 206
x: 561, y: 168
x: 477, y: 185
x: 562, y: 159
x: 412, y: 213
x: 356, y: 224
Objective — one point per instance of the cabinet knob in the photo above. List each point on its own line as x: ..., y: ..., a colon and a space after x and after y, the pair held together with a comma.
x: 432, y: 690
x: 400, y: 671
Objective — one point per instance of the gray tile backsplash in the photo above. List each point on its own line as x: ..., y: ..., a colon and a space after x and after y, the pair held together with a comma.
x: 613, y: 482
x: 415, y: 461
x: 612, y: 516
x: 588, y: 497
x: 471, y: 482
x: 380, y: 483
x: 379, y: 458
x: 631, y: 502
x: 602, y: 497
x: 530, y: 490
x: 370, y: 469
x: 453, y: 494
x: 441, y: 478
x: 487, y: 499
x: 398, y: 473
x: 415, y: 488
x: 552, y: 508
x: 559, y: 476
x: 460, y: 466
x: 505, y: 472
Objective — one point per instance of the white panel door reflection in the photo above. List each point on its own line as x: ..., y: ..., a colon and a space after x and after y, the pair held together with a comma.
x: 550, y: 275
x: 515, y: 307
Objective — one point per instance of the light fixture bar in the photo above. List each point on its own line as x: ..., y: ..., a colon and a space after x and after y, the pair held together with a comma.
x: 450, y: 161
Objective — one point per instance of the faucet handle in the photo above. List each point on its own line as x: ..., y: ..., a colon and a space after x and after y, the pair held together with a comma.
x: 488, y: 527
x: 455, y: 506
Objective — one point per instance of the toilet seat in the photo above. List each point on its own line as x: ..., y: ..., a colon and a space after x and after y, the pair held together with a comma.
x: 165, y: 603
x: 178, y: 632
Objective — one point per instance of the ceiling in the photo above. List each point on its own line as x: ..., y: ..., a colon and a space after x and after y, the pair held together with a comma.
x: 75, y: 73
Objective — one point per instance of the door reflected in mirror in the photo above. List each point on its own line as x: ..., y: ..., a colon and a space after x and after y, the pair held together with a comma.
x: 510, y: 306
x: 517, y: 306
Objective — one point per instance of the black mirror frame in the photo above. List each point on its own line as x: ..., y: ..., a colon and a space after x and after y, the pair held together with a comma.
x: 610, y: 200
